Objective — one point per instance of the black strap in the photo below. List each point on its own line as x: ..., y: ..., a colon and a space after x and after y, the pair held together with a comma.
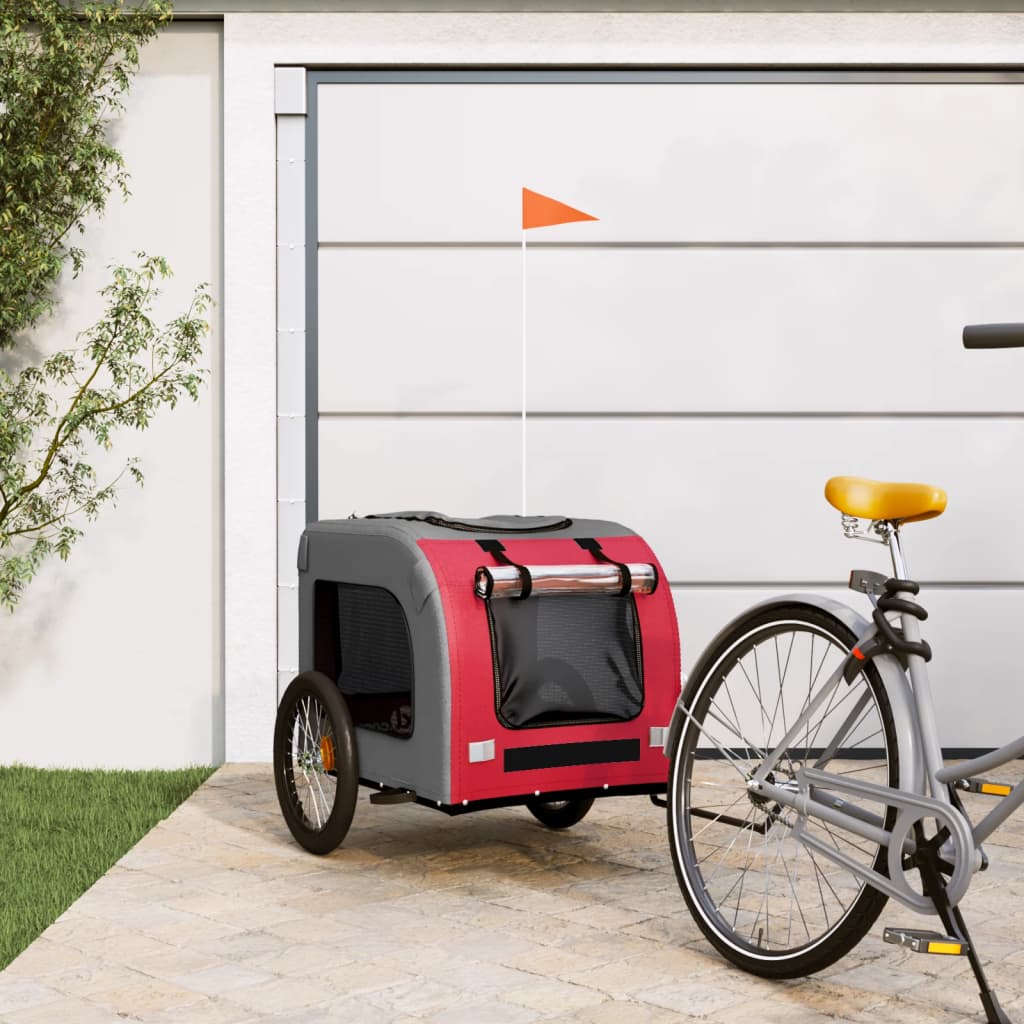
x: 497, y: 551
x: 591, y: 545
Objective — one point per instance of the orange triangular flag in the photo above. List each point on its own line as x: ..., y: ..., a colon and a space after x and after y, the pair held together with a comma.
x: 542, y: 211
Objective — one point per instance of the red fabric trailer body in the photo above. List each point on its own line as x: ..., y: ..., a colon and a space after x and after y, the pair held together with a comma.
x: 549, y: 758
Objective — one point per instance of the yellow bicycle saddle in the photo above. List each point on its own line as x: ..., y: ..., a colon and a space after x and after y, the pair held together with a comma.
x: 871, y: 499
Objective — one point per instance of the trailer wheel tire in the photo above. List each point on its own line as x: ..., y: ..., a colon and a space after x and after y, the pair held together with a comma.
x: 560, y: 813
x: 316, y: 769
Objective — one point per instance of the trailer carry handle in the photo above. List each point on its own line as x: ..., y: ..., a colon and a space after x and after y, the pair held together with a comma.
x: 507, y: 580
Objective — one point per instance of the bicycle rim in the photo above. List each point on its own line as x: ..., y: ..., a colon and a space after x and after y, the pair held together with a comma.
x: 311, y: 750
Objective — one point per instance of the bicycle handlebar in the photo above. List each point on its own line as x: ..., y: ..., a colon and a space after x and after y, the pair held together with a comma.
x: 994, y: 336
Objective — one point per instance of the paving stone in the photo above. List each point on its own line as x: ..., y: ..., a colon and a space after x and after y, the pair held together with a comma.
x: 79, y: 1011
x: 691, y: 997
x: 492, y: 1012
x: 144, y: 996
x: 549, y: 997
x: 618, y: 1011
x: 208, y: 1011
x: 309, y: 958
x: 879, y: 976
x: 282, y: 994
x: 45, y: 957
x: 124, y: 947
x: 224, y: 978
x: 96, y: 977
x: 417, y: 998
x: 176, y: 961
x: 22, y: 994
x: 622, y: 978
x: 611, y: 918
x: 552, y: 962
x: 75, y: 928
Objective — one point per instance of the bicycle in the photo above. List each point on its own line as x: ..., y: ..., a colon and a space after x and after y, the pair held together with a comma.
x: 807, y: 785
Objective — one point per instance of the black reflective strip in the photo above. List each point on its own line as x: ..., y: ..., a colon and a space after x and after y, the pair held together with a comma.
x: 566, y: 755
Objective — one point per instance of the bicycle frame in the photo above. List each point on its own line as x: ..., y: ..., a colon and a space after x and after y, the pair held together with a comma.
x: 924, y: 793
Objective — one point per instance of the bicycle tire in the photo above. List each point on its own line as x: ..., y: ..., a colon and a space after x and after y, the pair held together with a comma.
x: 315, y: 764
x: 765, y: 901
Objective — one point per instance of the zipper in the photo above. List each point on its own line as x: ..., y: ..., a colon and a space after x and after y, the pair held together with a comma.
x: 494, y: 665
x: 638, y: 645
x: 449, y: 524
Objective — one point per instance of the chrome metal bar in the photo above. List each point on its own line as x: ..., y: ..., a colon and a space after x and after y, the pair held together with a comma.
x: 506, y: 580
x: 899, y: 561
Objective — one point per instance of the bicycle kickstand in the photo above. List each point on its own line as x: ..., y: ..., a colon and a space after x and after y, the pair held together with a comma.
x: 953, y: 921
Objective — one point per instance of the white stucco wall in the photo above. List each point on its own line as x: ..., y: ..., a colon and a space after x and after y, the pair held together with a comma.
x: 114, y: 658
x: 254, y: 44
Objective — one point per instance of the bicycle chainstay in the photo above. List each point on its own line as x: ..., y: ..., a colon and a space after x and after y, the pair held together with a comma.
x: 910, y: 809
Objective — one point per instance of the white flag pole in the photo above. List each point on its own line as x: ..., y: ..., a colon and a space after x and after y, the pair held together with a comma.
x: 523, y: 416
x: 550, y: 211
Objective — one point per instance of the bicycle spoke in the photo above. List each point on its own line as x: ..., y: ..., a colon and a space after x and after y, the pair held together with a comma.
x: 716, y: 820
x: 731, y: 759
x: 756, y: 691
x: 738, y: 734
x: 724, y: 851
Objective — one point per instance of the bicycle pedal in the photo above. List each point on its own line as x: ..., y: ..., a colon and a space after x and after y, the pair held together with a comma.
x: 984, y: 786
x: 919, y: 941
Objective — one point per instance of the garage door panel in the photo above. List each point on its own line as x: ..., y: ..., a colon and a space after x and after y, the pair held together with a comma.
x: 414, y: 330
x: 821, y: 162
x: 960, y: 623
x: 725, y: 500
x: 439, y: 330
x: 463, y: 467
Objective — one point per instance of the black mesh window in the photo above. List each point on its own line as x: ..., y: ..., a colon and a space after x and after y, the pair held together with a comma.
x: 561, y: 660
x: 367, y: 650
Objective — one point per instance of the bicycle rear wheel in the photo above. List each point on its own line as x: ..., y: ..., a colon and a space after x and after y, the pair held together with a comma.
x: 767, y: 902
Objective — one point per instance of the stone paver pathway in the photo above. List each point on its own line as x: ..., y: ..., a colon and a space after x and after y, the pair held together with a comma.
x: 218, y: 917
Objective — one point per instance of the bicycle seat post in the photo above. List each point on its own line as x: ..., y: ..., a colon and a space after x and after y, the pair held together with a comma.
x: 890, y: 533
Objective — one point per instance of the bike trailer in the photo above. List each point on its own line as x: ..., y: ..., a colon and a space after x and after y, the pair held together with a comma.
x: 492, y: 661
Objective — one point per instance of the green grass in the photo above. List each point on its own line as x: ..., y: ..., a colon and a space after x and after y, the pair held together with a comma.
x: 61, y: 830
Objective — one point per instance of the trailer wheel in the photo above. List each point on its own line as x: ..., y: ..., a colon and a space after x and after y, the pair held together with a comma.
x: 560, y: 813
x: 315, y: 765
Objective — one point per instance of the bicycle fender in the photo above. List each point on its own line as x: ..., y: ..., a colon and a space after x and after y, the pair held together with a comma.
x: 894, y: 679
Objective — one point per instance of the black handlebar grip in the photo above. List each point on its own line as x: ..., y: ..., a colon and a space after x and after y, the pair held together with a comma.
x: 994, y: 336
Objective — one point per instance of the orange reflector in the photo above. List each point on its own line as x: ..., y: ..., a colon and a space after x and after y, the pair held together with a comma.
x: 994, y: 789
x: 327, y: 753
x: 946, y: 948
x: 858, y: 654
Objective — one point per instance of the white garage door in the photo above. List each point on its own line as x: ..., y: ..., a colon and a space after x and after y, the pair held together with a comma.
x: 773, y: 294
